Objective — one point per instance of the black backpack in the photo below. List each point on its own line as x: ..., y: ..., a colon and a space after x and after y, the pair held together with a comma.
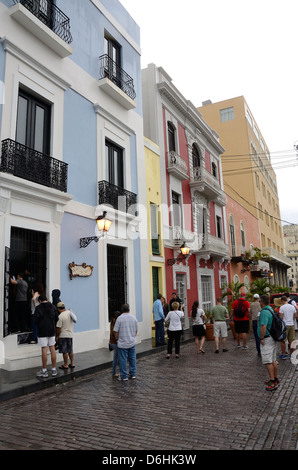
x: 240, y: 310
x: 278, y: 330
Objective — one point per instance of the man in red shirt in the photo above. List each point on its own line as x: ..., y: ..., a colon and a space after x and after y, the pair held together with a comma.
x: 241, y: 320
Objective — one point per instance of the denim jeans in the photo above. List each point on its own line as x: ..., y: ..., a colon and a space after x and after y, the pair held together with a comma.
x: 115, y: 358
x: 129, y: 355
x: 159, y: 332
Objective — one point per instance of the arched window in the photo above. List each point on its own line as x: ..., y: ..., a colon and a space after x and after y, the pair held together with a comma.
x: 196, y: 160
x: 232, y: 235
x: 214, y: 170
x: 171, y: 137
x: 242, y: 232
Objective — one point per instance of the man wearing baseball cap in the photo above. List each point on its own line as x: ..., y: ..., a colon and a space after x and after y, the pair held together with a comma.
x: 255, y: 309
x: 64, y: 335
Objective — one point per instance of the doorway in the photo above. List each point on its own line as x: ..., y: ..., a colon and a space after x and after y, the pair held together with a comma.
x: 27, y: 255
x: 182, y: 294
x: 117, y: 283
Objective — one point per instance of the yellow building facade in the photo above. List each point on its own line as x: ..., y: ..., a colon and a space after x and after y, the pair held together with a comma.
x: 154, y: 222
x: 248, y: 176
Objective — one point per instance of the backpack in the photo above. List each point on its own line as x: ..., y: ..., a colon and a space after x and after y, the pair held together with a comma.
x: 278, y: 330
x: 240, y: 310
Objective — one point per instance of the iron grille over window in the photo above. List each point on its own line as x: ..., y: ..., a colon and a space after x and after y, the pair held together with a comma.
x: 47, y: 12
x: 108, y: 68
x: 119, y: 198
x: 26, y: 163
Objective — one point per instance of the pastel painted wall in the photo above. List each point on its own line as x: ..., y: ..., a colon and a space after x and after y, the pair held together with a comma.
x: 80, y: 293
x: 80, y: 148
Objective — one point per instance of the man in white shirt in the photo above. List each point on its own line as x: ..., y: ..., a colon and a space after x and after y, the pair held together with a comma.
x: 125, y: 329
x: 64, y: 334
x: 287, y: 312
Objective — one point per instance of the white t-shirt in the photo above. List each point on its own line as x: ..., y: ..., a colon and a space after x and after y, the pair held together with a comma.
x: 199, y: 317
x: 288, y: 312
x: 175, y: 320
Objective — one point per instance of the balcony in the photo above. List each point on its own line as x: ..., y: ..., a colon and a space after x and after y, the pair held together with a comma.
x: 177, y: 166
x: 28, y: 164
x: 46, y: 22
x: 202, y: 181
x: 114, y: 81
x: 213, y: 247
x: 120, y: 199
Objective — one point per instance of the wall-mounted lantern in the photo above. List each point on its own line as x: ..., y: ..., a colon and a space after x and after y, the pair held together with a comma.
x: 184, y: 249
x: 103, y: 225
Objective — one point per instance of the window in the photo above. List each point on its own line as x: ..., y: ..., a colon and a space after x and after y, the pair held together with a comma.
x: 214, y: 169
x: 114, y: 159
x: 154, y: 229
x: 176, y: 210
x: 227, y: 114
x: 218, y: 226
x: 33, y: 123
x: 242, y: 232
x: 232, y: 236
x: 171, y: 137
x: 196, y: 160
x: 206, y: 293
x: 113, y: 50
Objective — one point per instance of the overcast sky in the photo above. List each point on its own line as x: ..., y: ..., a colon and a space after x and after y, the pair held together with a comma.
x: 219, y: 49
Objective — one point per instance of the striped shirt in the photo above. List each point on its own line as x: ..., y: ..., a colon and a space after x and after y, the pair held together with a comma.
x: 127, y: 327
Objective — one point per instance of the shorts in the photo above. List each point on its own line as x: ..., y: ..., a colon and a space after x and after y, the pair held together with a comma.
x: 290, y: 333
x: 268, y: 350
x: 220, y: 329
x: 242, y: 326
x: 65, y: 345
x: 46, y: 341
x: 198, y: 331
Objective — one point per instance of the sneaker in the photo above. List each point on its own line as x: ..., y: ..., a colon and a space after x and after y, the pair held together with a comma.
x: 42, y: 373
x: 122, y: 380
x: 276, y: 381
x: 133, y: 377
x: 271, y: 385
x: 244, y: 347
x: 239, y: 346
x: 284, y: 357
x: 54, y: 372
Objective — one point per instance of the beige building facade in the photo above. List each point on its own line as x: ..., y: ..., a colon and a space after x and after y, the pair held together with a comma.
x: 248, y: 176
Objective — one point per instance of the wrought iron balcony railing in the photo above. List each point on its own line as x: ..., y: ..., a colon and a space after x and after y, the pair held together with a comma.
x: 28, y: 164
x: 119, y: 198
x: 47, y: 12
x: 109, y: 69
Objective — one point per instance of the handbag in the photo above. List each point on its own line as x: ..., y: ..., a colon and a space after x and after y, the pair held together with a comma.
x: 110, y: 347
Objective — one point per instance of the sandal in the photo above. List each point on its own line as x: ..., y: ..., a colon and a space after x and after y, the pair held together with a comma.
x: 202, y: 350
x: 72, y: 367
x: 63, y: 367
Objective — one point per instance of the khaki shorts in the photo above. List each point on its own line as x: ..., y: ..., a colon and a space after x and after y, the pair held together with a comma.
x: 220, y: 329
x: 290, y: 333
x: 268, y: 350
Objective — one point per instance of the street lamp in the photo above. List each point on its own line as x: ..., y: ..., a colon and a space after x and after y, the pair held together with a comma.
x: 184, y: 252
x: 184, y: 249
x: 103, y: 225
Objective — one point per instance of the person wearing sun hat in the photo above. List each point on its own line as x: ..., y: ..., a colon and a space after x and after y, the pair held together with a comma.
x: 255, y: 309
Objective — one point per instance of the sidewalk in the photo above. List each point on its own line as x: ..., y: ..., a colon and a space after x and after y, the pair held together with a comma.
x: 17, y: 383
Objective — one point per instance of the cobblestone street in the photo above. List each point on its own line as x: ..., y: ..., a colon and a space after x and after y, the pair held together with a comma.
x: 197, y: 402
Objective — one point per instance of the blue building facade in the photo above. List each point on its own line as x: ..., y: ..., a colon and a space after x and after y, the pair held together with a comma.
x: 72, y: 149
